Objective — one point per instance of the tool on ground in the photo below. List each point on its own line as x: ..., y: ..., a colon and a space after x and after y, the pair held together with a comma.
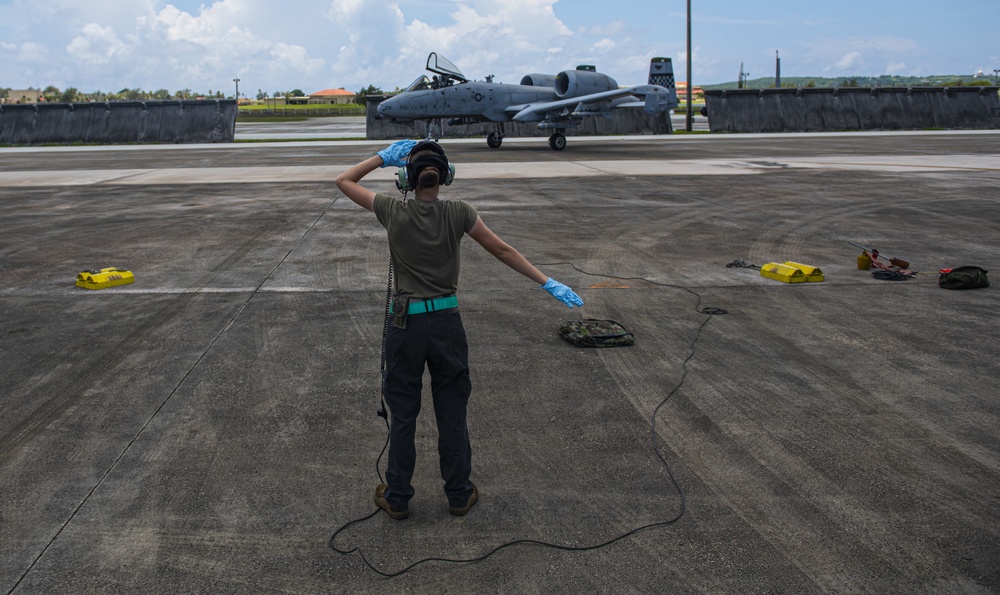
x: 792, y: 272
x: 899, y: 262
x: 864, y: 261
x: 102, y: 278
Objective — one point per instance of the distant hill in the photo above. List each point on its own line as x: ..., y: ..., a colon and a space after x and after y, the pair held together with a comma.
x: 861, y: 81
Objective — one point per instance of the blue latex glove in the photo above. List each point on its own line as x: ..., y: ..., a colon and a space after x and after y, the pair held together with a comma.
x: 395, y: 154
x: 562, y: 293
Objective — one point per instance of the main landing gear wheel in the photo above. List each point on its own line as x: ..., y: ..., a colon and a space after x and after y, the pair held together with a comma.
x: 557, y: 141
x: 493, y: 140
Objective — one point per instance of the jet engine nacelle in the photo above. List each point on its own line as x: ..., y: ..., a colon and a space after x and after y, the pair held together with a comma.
x: 538, y: 80
x: 573, y: 83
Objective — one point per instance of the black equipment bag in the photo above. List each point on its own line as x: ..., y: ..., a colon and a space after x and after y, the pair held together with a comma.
x: 590, y: 332
x: 967, y: 277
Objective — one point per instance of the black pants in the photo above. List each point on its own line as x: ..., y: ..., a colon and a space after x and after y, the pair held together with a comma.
x: 437, y: 340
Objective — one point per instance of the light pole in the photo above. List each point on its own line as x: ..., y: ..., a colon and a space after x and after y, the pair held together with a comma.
x: 690, y: 117
x: 237, y: 81
x: 996, y: 76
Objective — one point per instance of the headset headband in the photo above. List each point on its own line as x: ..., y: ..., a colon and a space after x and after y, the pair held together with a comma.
x: 433, y: 156
x: 439, y: 161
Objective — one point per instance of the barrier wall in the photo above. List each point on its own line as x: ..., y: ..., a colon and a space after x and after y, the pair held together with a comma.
x: 189, y: 121
x: 855, y: 108
x: 623, y: 121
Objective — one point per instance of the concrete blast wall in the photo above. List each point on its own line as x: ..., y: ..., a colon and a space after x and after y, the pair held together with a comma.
x: 194, y: 121
x: 623, y: 121
x: 856, y: 108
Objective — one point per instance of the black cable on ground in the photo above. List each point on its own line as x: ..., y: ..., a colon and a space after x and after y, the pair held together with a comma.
x: 709, y: 312
x: 741, y: 264
x: 888, y: 275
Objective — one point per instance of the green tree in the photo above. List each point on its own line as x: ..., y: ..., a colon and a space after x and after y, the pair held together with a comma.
x: 296, y: 93
x: 961, y: 83
x: 161, y: 94
x: 51, y: 93
x: 365, y: 92
x: 69, y: 95
x: 127, y: 94
x: 261, y: 95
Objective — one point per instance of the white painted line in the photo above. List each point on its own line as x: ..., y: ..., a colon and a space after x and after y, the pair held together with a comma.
x: 527, y: 169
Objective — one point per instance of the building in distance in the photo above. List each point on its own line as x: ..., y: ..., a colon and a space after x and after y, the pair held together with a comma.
x: 332, y: 97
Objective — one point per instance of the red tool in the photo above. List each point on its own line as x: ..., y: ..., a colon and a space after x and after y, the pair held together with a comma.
x: 899, y: 262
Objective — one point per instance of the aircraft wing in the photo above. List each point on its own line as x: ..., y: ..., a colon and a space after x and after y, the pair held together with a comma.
x: 657, y: 99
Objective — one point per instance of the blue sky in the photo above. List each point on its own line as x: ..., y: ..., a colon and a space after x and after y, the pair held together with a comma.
x: 317, y: 44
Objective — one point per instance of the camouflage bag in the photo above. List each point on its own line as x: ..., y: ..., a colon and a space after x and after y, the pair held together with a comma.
x: 590, y: 332
x: 967, y: 277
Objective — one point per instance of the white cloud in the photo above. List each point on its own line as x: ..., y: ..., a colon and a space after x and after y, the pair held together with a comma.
x: 32, y: 52
x: 217, y: 28
x: 96, y: 45
x: 388, y: 48
x: 895, y: 67
x: 317, y: 43
x: 607, y: 29
x: 604, y: 45
x: 849, y: 60
x: 202, y: 44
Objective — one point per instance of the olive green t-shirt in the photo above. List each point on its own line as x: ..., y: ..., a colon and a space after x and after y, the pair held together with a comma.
x: 424, y: 242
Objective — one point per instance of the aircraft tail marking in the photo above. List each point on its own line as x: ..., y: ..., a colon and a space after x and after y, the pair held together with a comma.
x: 661, y: 73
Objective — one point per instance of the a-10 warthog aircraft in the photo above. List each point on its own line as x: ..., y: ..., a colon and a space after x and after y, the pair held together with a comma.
x: 555, y: 102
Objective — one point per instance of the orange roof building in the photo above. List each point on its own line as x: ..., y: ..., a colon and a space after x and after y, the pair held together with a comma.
x: 329, y: 96
x: 682, y: 89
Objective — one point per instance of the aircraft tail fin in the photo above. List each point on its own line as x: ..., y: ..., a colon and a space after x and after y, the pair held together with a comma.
x: 661, y: 73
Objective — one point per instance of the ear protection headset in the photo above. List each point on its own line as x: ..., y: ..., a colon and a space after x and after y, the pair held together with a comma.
x: 406, y: 176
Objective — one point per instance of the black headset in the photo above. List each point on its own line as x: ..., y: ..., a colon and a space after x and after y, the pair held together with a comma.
x: 413, y: 165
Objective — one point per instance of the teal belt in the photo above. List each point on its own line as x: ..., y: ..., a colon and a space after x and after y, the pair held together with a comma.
x: 418, y: 306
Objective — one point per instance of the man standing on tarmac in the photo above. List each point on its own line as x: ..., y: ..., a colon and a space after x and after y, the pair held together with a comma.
x: 424, y: 236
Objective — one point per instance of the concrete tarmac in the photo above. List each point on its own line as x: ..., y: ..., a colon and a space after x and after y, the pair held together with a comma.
x: 208, y: 427
x: 342, y: 127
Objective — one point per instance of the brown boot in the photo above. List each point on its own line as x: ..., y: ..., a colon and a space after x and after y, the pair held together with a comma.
x: 462, y: 511
x: 380, y: 500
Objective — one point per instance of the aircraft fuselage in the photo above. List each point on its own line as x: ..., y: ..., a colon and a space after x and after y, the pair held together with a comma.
x: 479, y: 100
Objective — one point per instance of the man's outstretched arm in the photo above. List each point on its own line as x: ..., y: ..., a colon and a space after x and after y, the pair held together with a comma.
x: 508, y: 255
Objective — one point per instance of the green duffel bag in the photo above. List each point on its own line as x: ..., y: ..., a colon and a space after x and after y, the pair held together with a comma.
x: 968, y: 277
x: 590, y: 332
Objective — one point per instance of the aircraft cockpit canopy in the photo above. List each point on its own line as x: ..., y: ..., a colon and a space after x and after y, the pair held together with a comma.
x: 447, y: 70
x: 422, y: 83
